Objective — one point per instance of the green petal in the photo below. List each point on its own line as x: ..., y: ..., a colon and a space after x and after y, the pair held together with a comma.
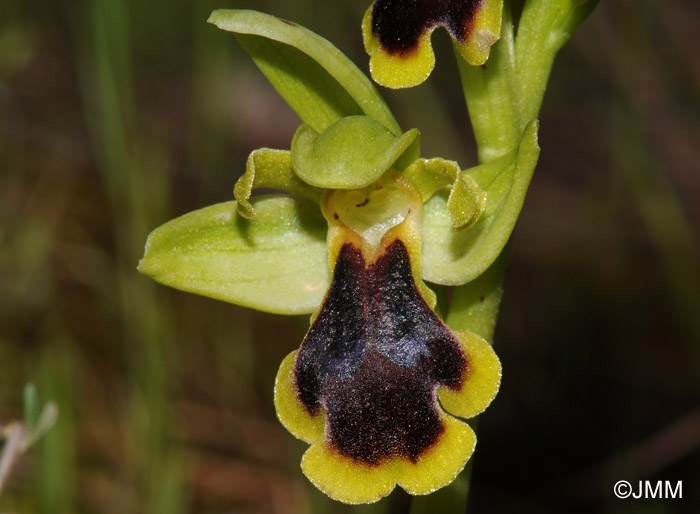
x: 275, y: 263
x: 431, y: 175
x: 454, y: 258
x: 466, y: 201
x: 312, y: 75
x: 273, y: 169
x: 350, y: 154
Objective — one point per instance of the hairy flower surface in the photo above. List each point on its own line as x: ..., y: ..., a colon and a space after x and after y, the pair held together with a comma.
x: 363, y: 388
x: 397, y: 35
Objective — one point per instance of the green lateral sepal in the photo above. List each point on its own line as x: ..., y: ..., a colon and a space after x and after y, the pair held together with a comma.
x: 276, y: 262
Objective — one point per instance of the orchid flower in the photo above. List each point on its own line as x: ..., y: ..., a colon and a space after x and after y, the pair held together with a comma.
x: 380, y: 385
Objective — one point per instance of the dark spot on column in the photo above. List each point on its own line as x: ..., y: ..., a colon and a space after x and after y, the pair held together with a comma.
x: 374, y: 358
x: 399, y: 24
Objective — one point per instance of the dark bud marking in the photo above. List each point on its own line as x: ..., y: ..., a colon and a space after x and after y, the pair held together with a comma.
x: 374, y: 357
x: 399, y: 24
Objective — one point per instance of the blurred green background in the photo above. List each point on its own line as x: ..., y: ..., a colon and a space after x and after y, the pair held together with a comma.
x: 117, y: 115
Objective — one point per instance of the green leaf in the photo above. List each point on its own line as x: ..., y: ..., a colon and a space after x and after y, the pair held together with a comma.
x: 276, y: 262
x: 350, y: 154
x: 273, y: 169
x: 315, y: 78
x: 454, y: 258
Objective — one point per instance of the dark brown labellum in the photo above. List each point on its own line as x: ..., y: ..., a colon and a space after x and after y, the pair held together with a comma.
x: 374, y: 357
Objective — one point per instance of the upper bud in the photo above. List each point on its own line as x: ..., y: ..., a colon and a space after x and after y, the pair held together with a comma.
x: 397, y: 34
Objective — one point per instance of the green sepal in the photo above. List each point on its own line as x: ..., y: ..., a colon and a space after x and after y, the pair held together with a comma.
x: 269, y: 168
x: 276, y: 262
x: 350, y: 154
x: 455, y: 258
x: 466, y: 201
x: 315, y: 78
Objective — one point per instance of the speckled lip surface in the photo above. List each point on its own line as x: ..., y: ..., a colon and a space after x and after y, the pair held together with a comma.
x: 374, y: 357
x: 399, y: 24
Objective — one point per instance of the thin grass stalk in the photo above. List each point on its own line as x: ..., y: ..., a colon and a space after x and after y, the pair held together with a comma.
x: 132, y: 176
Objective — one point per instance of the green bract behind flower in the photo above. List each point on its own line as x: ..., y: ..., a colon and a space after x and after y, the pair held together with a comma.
x: 457, y: 257
x: 397, y: 34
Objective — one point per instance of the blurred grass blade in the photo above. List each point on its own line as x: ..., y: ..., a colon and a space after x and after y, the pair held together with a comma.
x: 31, y: 405
x: 315, y: 78
x: 57, y: 476
x: 46, y: 421
x: 276, y: 262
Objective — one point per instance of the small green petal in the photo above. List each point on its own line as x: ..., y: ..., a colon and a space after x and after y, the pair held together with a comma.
x: 431, y: 175
x: 455, y: 258
x: 466, y: 201
x: 350, y: 154
x: 269, y: 168
x: 276, y: 262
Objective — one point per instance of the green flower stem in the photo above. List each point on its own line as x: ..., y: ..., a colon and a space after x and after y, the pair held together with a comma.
x: 490, y: 96
x: 506, y: 93
x: 545, y: 26
x: 474, y: 306
x: 502, y: 97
